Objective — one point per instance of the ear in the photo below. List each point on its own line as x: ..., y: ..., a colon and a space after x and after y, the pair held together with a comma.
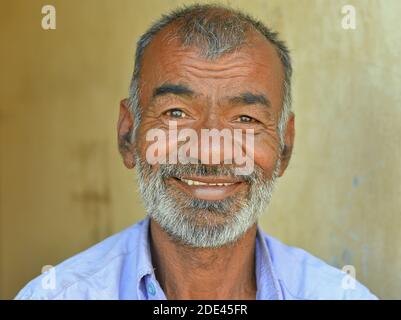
x: 125, y: 126
x: 288, y: 144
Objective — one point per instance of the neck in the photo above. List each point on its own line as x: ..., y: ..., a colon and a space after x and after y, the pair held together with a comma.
x: 204, y: 273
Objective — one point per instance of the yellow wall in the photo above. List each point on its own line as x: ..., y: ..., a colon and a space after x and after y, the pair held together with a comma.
x: 64, y: 188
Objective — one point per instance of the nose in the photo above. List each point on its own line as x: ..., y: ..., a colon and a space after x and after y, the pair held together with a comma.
x: 215, y: 140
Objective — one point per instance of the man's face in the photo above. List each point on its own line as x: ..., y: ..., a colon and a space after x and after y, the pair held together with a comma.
x: 208, y: 205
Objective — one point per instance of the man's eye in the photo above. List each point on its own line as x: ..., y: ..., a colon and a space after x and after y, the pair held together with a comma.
x: 176, y: 113
x: 245, y: 119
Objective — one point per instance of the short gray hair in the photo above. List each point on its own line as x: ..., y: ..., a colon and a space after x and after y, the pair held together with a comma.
x: 215, y: 30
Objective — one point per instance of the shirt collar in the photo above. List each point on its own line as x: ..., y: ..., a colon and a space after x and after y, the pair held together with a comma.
x: 147, y: 286
x: 138, y: 263
x: 266, y: 278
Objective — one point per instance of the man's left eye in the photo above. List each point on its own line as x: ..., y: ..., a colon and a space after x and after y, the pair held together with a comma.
x: 244, y: 118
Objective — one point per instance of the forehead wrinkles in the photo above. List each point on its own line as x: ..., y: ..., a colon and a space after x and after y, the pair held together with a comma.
x: 170, y: 61
x: 179, y: 61
x: 220, y: 69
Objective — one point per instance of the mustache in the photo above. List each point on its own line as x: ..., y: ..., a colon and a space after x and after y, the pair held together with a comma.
x: 201, y: 170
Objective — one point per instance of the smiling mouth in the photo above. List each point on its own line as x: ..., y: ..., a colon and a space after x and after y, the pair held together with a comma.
x: 200, y: 183
x: 208, y: 188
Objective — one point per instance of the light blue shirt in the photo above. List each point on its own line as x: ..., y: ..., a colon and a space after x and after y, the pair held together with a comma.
x: 120, y: 267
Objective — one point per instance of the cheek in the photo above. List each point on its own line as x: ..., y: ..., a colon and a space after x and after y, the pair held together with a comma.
x: 157, y: 146
x: 266, y: 155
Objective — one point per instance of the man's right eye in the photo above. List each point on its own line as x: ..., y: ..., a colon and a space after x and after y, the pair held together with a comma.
x: 176, y: 113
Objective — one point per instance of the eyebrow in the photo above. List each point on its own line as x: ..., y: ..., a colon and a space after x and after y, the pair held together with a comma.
x: 248, y: 98
x: 245, y: 98
x: 170, y: 88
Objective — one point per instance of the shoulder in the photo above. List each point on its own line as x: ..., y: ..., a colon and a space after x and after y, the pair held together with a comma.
x: 304, y: 276
x: 91, y: 274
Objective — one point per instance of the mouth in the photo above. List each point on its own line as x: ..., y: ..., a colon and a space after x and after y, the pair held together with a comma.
x: 208, y: 188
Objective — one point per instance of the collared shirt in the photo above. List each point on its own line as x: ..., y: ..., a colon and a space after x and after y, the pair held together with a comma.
x: 120, y: 267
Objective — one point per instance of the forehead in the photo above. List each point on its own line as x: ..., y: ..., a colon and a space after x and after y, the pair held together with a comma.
x: 255, y: 67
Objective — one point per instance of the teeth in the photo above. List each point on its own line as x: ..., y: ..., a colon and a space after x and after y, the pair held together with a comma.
x: 198, y: 183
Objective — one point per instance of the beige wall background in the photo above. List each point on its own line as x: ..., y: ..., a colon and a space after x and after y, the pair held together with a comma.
x: 64, y: 188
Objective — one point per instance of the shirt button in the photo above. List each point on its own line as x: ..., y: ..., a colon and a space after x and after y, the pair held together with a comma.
x: 151, y: 288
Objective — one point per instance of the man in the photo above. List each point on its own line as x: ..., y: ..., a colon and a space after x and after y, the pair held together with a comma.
x: 203, y: 68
